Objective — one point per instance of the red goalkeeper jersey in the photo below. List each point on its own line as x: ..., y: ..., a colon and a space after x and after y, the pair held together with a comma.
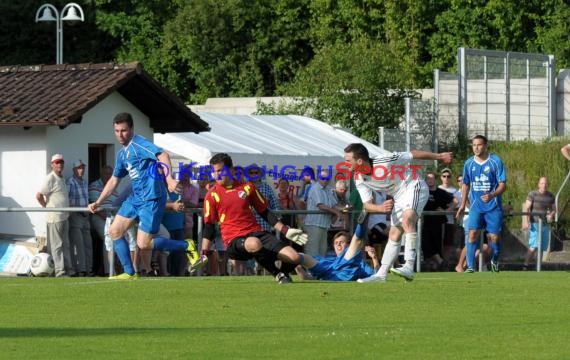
x: 232, y: 208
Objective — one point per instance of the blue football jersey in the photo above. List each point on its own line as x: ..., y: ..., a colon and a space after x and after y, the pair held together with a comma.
x: 139, y: 160
x: 484, y: 178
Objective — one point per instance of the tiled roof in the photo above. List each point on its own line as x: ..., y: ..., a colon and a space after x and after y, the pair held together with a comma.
x: 41, y: 95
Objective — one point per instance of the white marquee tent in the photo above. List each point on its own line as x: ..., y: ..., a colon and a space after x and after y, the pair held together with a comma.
x: 273, y: 141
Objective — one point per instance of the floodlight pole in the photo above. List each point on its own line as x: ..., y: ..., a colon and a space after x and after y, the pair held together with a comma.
x: 70, y: 12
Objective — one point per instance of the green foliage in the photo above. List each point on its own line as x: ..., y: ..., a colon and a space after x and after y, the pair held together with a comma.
x: 214, y: 48
x: 526, y: 162
x: 254, y: 318
x: 139, y: 26
x: 499, y: 25
x: 354, y: 85
x: 552, y: 33
x: 239, y: 48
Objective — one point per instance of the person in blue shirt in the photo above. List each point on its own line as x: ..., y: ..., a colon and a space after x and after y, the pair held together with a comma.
x: 173, y: 221
x: 485, y: 180
x: 348, y: 264
x: 149, y: 168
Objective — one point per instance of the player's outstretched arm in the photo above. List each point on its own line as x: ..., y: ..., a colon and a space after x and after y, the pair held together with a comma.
x: 357, y: 241
x: 445, y: 157
x: 107, y: 190
x: 295, y: 235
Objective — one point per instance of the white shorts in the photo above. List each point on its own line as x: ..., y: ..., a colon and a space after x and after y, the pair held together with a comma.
x: 414, y: 196
x: 130, y: 235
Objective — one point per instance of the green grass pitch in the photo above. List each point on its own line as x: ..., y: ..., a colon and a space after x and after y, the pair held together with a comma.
x: 510, y: 315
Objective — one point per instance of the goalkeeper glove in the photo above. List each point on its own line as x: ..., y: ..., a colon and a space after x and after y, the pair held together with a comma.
x: 295, y: 235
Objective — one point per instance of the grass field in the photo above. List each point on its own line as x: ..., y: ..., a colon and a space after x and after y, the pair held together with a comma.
x: 511, y: 315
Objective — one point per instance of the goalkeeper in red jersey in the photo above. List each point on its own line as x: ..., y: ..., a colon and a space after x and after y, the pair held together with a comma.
x: 229, y: 202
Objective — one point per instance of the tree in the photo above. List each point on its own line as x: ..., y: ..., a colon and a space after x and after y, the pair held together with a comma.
x: 507, y: 25
x: 552, y: 33
x: 408, y: 27
x: 239, y: 47
x: 139, y: 27
x: 354, y: 85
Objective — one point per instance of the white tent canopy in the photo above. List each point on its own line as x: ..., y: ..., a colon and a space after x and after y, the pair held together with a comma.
x: 267, y: 140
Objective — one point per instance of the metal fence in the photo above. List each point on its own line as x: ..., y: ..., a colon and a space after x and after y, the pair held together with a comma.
x: 417, y: 131
x: 506, y: 95
x: 502, y: 95
x: 539, y: 215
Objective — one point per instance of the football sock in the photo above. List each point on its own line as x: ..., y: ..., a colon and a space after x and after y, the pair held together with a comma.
x: 124, y: 254
x: 470, y: 254
x: 162, y: 243
x: 390, y: 255
x: 496, y: 246
x: 267, y: 259
x: 410, y: 248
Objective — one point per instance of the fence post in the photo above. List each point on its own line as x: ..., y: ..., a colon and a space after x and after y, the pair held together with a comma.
x: 419, y: 244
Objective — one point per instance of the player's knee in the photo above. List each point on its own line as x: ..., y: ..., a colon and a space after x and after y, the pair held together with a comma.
x: 115, y: 232
x: 253, y: 245
x: 493, y: 237
x: 144, y: 245
x: 409, y: 223
x: 289, y: 255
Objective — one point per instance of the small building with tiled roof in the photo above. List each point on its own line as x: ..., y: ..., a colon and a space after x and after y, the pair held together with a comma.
x: 68, y: 109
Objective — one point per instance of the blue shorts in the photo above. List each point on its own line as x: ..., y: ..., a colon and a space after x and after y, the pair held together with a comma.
x: 533, y: 236
x: 492, y: 220
x: 148, y: 213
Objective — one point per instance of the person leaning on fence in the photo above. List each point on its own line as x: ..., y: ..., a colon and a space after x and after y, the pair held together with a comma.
x: 410, y: 194
x: 190, y: 197
x: 173, y: 221
x: 229, y: 202
x: 317, y: 225
x: 286, y: 201
x: 432, y: 231
x: 340, y: 194
x: 451, y: 233
x: 540, y: 200
x: 308, y: 179
x: 485, y: 180
x: 79, y: 226
x: 54, y: 194
x: 99, y: 219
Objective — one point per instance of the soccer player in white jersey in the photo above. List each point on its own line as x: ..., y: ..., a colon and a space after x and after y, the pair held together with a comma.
x: 393, y: 174
x: 485, y: 179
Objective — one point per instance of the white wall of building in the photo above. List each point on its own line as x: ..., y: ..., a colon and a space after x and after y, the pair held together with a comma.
x: 22, y: 169
x: 26, y: 154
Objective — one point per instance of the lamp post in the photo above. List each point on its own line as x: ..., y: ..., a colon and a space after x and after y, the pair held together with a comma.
x: 70, y: 12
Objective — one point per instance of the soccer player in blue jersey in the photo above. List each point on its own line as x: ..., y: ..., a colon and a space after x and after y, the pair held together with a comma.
x: 348, y: 264
x: 485, y: 179
x: 142, y: 161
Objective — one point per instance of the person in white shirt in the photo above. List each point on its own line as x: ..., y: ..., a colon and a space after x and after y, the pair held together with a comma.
x: 54, y: 194
x: 394, y: 174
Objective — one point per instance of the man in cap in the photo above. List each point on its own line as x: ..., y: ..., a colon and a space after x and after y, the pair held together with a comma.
x: 79, y: 227
x: 52, y: 194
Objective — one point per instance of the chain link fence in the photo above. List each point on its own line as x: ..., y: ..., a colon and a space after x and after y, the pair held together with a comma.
x: 506, y: 95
